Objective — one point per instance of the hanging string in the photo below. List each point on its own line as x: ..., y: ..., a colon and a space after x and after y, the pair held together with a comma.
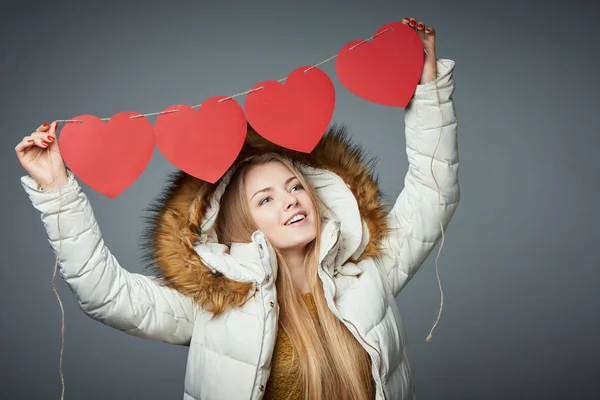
x: 62, y: 309
x: 437, y: 270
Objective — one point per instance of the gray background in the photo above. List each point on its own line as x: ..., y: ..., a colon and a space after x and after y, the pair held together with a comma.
x: 519, y: 264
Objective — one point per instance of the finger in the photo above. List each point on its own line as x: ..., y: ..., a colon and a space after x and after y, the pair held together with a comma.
x: 53, y: 138
x: 405, y: 21
x: 22, y: 147
x: 430, y: 34
x: 421, y: 30
x: 42, y: 139
x: 49, y: 136
x: 53, y: 128
x: 43, y: 128
x: 412, y: 23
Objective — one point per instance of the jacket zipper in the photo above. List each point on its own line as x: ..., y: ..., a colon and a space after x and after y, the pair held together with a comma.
x: 260, y: 393
x: 358, y: 333
x: 368, y: 344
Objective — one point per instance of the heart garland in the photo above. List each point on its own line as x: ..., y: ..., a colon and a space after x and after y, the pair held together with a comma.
x: 202, y: 143
x: 109, y: 157
x: 386, y: 71
x: 294, y: 115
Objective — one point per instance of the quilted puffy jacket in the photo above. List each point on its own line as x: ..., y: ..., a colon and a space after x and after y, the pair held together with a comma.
x: 367, y: 256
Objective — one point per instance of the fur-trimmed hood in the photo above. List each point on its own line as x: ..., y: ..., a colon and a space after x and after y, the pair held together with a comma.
x: 184, y: 252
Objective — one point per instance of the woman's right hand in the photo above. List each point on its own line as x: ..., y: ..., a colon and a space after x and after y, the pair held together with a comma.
x: 38, y: 153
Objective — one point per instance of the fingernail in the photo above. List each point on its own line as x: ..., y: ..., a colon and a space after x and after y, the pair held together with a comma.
x: 44, y: 143
x: 412, y: 23
x: 420, y: 26
x: 46, y: 125
x: 50, y: 138
x: 428, y: 30
x: 30, y: 141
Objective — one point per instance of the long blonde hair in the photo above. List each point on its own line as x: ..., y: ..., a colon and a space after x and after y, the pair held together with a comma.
x: 331, y: 363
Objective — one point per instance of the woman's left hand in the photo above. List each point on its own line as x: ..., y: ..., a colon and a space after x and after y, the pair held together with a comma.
x: 427, y: 35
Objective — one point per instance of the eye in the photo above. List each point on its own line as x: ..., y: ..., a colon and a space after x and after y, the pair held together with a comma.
x: 263, y: 201
x: 298, y: 186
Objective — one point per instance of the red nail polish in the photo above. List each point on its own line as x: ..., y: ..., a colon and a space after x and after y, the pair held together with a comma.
x: 412, y: 23
x: 44, y: 143
x: 30, y: 141
x: 50, y: 138
x: 420, y: 26
x: 46, y: 125
x: 428, y: 30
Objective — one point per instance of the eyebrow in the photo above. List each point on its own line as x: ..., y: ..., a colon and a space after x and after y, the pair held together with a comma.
x: 270, y: 188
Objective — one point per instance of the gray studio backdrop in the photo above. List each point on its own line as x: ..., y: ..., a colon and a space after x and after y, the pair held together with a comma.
x: 519, y: 264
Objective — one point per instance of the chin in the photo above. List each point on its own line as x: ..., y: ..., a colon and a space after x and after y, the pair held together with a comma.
x: 299, y: 242
x: 296, y: 238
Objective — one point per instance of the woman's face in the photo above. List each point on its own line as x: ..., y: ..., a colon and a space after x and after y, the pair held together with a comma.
x: 280, y: 206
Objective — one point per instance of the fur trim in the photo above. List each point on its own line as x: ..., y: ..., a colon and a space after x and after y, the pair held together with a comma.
x: 175, y: 217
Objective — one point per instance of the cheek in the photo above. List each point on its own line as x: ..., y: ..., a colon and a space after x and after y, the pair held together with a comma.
x: 307, y: 203
x: 265, y: 220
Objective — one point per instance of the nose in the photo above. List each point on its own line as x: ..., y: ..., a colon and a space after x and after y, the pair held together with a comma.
x: 290, y: 201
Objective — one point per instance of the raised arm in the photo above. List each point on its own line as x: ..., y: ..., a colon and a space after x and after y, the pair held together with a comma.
x: 416, y: 216
x: 135, y: 304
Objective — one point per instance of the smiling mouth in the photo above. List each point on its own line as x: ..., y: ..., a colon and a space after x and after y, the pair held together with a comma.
x: 296, y: 219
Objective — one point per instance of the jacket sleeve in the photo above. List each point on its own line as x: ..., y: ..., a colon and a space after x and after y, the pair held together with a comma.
x: 135, y: 304
x: 415, y: 217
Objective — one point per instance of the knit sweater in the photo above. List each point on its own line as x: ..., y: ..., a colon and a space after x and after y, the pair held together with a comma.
x: 281, y: 381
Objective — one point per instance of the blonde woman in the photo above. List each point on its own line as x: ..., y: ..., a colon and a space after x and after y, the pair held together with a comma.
x: 282, y: 276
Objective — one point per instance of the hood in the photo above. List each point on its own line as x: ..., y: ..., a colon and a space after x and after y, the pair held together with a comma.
x: 180, y: 241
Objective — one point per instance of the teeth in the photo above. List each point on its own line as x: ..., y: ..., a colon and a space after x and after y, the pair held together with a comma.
x: 296, y: 218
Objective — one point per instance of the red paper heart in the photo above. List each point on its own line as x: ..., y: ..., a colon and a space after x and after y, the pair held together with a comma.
x: 108, y: 157
x: 202, y: 143
x: 385, y: 71
x: 294, y: 115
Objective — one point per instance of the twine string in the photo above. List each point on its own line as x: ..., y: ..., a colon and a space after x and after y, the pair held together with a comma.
x: 437, y: 271
x: 241, y: 93
x: 62, y: 309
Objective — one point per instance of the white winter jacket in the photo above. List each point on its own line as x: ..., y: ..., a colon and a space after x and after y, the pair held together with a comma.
x: 367, y: 257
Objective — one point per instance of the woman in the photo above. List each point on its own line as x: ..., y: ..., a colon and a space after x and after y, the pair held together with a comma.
x: 282, y: 276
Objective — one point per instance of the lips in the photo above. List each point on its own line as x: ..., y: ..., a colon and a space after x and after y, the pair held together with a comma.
x: 295, y: 215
